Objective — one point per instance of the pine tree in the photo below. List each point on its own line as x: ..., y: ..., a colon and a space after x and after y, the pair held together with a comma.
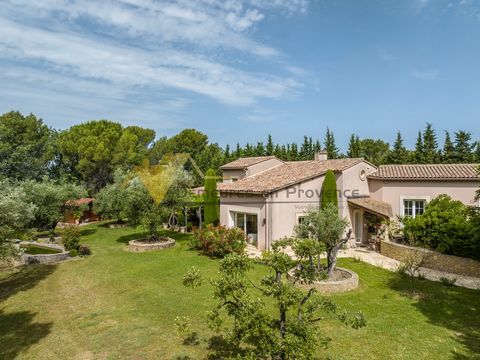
x: 463, y: 148
x: 332, y: 150
x: 211, y: 201
x: 329, y: 190
x: 430, y: 145
x: 418, y: 154
x: 317, y: 147
x: 270, y: 149
x: 399, y: 154
x: 354, y: 148
x: 448, y: 149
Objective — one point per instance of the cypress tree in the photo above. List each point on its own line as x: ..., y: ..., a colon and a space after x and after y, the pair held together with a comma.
x: 317, y: 147
x: 227, y: 153
x: 448, y: 149
x: 430, y: 145
x: 463, y: 148
x: 332, y: 150
x: 354, y: 148
x: 418, y: 155
x: 304, y: 149
x: 477, y: 152
x: 211, y: 200
x: 270, y: 149
x: 259, y: 149
x: 294, y: 151
x: 399, y: 154
x: 238, y: 151
x: 329, y: 190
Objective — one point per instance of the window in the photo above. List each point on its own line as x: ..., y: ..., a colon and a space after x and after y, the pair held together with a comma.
x: 300, y: 219
x: 248, y: 223
x: 413, y: 207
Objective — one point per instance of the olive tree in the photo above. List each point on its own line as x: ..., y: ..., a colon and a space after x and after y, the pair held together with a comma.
x: 51, y: 200
x: 15, y: 215
x: 327, y: 228
x: 291, y: 332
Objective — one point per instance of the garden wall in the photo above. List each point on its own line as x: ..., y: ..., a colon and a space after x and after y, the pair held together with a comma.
x: 435, y: 260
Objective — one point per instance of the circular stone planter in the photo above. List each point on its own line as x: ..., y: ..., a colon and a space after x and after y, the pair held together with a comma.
x: 117, y: 225
x: 142, y: 246
x: 28, y: 259
x: 349, y: 282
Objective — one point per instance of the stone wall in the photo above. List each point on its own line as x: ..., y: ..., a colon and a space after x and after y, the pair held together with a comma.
x: 434, y: 260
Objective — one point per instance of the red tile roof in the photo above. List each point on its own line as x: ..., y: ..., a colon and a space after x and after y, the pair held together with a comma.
x: 79, y: 202
x: 372, y: 205
x: 427, y: 172
x: 245, y: 162
x: 289, y: 173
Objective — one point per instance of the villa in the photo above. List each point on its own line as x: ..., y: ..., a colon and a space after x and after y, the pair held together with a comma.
x: 267, y: 197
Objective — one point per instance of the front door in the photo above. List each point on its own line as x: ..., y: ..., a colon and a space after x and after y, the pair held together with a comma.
x: 358, y: 226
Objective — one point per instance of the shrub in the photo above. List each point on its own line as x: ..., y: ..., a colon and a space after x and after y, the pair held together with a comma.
x: 71, y: 236
x: 446, y: 226
x: 448, y: 282
x: 73, y: 253
x: 84, y: 250
x: 219, y: 241
x: 412, y: 263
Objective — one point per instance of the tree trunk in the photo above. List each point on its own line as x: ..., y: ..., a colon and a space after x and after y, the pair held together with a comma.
x: 332, y: 254
x: 199, y: 215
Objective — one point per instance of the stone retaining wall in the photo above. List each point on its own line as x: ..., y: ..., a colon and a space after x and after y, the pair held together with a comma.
x: 434, y: 260
x: 138, y: 246
x: 330, y: 287
x: 43, y: 258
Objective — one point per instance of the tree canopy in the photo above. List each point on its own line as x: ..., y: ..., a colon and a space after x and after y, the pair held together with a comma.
x: 26, y: 146
x: 93, y: 150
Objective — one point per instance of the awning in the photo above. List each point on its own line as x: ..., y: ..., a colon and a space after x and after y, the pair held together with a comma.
x: 374, y: 206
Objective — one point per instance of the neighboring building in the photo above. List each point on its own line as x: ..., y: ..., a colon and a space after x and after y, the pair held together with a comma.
x: 80, y: 211
x: 267, y: 197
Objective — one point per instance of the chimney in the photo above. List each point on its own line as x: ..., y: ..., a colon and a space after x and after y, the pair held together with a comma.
x: 321, y: 155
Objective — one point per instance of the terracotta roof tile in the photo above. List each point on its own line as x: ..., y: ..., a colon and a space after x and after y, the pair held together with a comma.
x: 245, y: 162
x: 79, y: 202
x: 373, y: 205
x: 287, y: 174
x: 427, y: 172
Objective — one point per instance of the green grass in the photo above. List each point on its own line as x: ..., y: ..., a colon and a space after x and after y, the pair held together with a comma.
x: 120, y: 305
x: 35, y: 250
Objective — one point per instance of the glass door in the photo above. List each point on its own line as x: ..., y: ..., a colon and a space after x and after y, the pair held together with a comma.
x: 358, y: 226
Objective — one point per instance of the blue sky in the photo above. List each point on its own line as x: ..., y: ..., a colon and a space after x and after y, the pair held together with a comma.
x: 240, y: 69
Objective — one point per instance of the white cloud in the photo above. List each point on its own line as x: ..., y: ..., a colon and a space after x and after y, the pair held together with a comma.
x: 428, y: 75
x: 144, y: 44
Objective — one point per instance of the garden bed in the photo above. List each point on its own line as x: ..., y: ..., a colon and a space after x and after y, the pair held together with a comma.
x: 343, y: 280
x: 35, y: 253
x: 142, y: 245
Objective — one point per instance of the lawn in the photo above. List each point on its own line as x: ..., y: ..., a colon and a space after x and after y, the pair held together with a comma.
x: 120, y: 305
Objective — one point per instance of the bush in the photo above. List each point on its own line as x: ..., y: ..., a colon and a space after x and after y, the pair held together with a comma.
x: 84, y: 250
x: 71, y: 237
x: 446, y: 226
x: 219, y: 241
x: 73, y: 253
